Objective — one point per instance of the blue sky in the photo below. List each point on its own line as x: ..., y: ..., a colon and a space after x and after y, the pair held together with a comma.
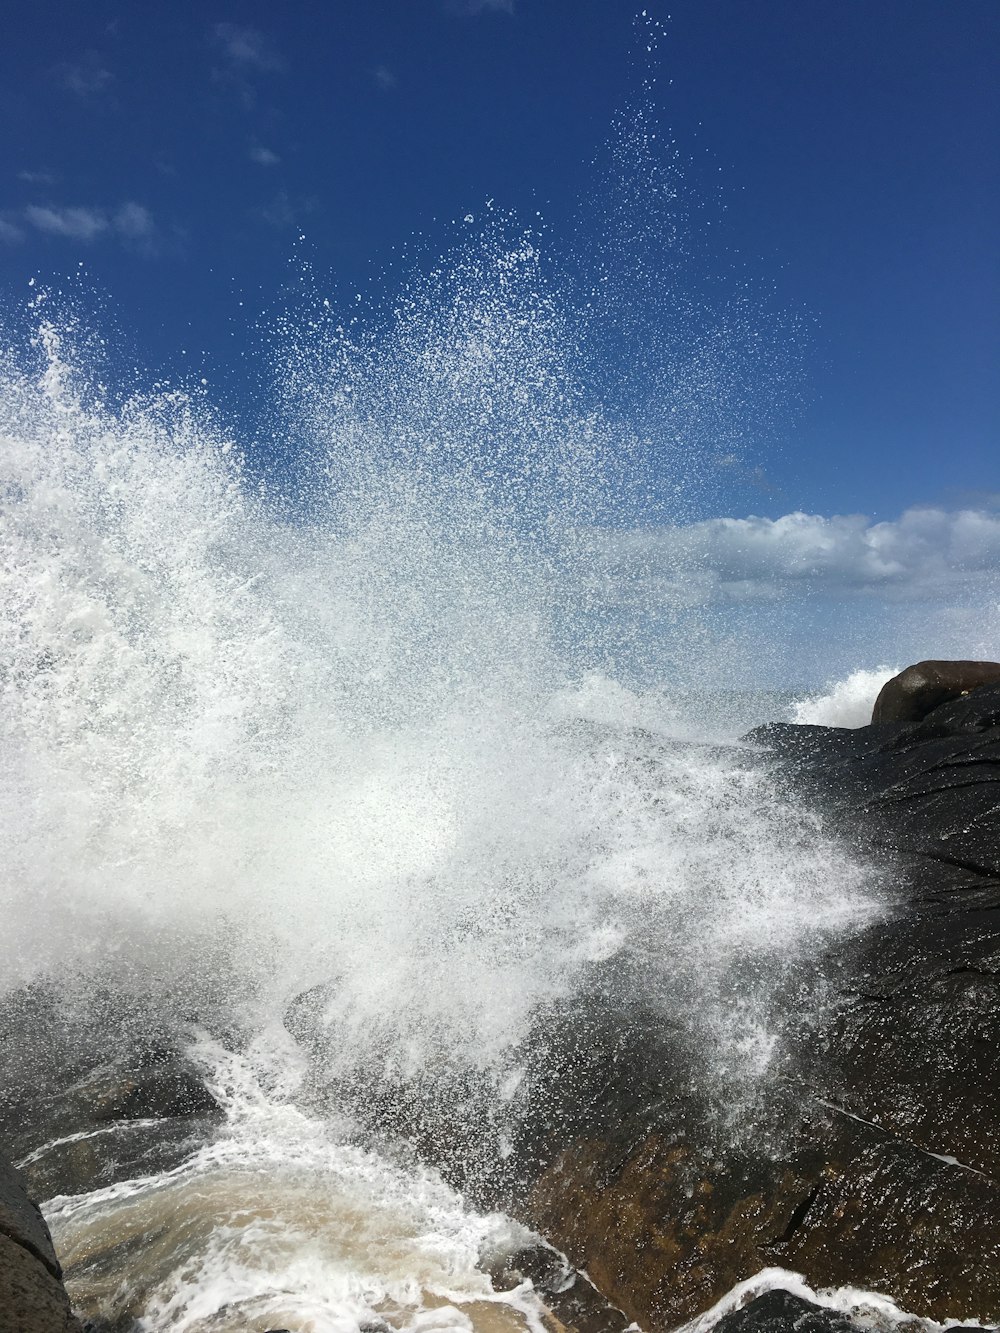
x: 849, y: 150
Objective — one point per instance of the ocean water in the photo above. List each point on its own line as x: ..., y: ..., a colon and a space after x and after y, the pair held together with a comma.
x: 367, y: 731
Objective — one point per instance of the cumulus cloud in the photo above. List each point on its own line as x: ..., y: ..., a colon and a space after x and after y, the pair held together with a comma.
x: 247, y: 48
x: 927, y: 553
x: 131, y: 223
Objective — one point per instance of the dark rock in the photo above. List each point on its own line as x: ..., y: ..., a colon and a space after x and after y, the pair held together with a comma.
x: 22, y: 1221
x: 793, y: 740
x: 666, y: 1232
x: 121, y: 1150
x: 921, y: 688
x: 167, y: 1089
x: 574, y: 1301
x: 31, y: 1299
x: 32, y: 1296
x: 884, y: 1172
x: 927, y: 789
x: 76, y: 1122
x: 781, y: 1312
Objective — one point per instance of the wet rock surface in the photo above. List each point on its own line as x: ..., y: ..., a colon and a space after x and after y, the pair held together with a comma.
x: 573, y: 1302
x: 32, y: 1296
x: 86, y: 1100
x: 927, y: 792
x: 783, y: 1312
x: 884, y: 1172
x: 22, y: 1222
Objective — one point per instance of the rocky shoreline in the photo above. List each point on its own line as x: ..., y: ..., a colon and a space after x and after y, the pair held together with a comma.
x: 884, y: 1172
x: 888, y: 1176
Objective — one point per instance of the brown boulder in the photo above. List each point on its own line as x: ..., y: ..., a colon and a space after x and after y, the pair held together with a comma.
x: 921, y: 688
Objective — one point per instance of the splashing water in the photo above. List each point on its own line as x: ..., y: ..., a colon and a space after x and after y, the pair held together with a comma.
x: 845, y: 703
x: 337, y: 740
x: 369, y: 742
x: 280, y: 1222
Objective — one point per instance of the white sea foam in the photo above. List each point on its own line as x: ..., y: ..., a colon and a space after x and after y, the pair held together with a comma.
x: 868, y: 1309
x: 281, y: 1222
x: 844, y: 703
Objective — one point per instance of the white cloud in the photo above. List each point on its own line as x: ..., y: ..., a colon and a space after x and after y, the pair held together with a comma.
x: 247, y: 48
x: 80, y: 224
x: 926, y: 553
x: 37, y: 177
x: 134, y: 222
x: 10, y: 233
x: 384, y: 77
x: 131, y: 223
x: 264, y: 157
x: 86, y: 77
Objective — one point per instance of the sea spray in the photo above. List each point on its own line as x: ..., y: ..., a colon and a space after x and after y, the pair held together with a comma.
x: 348, y: 751
x: 336, y: 742
x: 846, y: 703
